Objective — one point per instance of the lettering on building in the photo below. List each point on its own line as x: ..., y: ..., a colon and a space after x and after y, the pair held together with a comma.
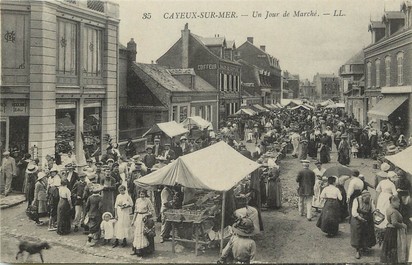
x: 207, y: 67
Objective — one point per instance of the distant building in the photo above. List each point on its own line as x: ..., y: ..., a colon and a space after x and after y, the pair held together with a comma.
x: 326, y: 86
x: 388, y: 66
x: 307, y: 90
x: 292, y: 85
x: 255, y: 84
x: 269, y: 69
x: 213, y: 60
x: 58, y: 77
x: 352, y: 84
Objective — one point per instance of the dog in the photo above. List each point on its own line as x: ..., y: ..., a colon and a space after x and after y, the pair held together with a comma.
x: 32, y: 248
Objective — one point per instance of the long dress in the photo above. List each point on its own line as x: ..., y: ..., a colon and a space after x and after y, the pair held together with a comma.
x: 362, y: 233
x: 63, y: 211
x: 317, y: 188
x: 386, y: 189
x: 344, y: 153
x: 329, y: 219
x: 123, y: 206
x: 324, y: 153
x: 394, y: 248
x: 313, y: 146
x: 274, y: 194
x: 108, y: 194
x: 143, y: 207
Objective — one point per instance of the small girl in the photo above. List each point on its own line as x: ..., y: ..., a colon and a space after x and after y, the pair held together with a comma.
x: 122, y: 209
x: 355, y: 148
x: 107, y: 228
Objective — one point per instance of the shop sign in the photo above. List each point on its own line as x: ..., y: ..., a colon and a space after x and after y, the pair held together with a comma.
x: 19, y: 107
x: 14, y: 107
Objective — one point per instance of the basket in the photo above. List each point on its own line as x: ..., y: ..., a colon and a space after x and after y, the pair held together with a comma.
x: 378, y: 217
x: 31, y: 212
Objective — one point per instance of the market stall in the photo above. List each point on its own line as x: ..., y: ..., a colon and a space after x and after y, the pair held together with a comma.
x: 170, y: 129
x: 195, y: 171
x: 197, y: 121
x: 245, y: 111
x: 402, y: 160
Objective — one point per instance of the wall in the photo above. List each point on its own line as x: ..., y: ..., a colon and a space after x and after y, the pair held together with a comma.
x: 123, y: 77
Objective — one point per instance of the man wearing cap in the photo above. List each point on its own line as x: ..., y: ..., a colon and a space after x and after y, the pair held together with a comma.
x: 168, y: 153
x: 78, y: 192
x: 306, y: 179
x: 9, y: 170
x: 157, y: 148
x: 130, y: 149
x: 90, y: 164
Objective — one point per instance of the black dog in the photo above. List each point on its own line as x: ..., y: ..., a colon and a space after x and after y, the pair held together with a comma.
x: 32, y: 248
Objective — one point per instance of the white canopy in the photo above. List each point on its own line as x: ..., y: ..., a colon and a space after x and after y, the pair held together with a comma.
x: 245, y: 111
x: 196, y: 120
x: 170, y: 128
x: 327, y: 102
x: 301, y: 106
x: 217, y: 167
x: 260, y: 108
x: 402, y: 159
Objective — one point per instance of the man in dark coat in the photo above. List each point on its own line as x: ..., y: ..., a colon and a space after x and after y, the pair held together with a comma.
x: 72, y: 176
x: 130, y: 148
x: 306, y: 179
x: 78, y: 191
x: 364, y: 144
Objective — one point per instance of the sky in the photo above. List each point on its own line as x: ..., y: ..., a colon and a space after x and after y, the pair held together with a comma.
x: 303, y: 45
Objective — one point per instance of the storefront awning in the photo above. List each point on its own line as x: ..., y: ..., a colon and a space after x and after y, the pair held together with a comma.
x: 257, y: 106
x: 387, y: 106
x: 402, y: 159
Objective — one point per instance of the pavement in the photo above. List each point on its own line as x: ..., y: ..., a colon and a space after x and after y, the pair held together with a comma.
x: 11, y: 200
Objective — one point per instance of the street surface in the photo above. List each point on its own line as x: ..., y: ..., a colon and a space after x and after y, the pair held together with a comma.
x: 287, y: 237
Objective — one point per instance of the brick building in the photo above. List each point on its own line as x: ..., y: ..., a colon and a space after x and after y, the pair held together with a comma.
x: 213, y: 60
x: 307, y: 90
x: 291, y: 85
x: 268, y: 65
x: 388, y: 71
x: 58, y: 76
x: 326, y: 86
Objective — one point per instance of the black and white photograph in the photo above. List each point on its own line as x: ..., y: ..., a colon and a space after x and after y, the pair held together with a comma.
x: 209, y: 131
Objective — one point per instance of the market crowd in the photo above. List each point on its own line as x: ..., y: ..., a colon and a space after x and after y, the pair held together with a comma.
x: 104, y: 199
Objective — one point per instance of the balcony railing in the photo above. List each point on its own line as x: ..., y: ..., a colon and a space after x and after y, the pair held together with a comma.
x: 102, y: 6
x: 95, y: 5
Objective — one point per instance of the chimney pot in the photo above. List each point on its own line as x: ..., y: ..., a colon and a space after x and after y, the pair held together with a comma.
x: 263, y: 47
x: 250, y: 39
x: 132, y: 49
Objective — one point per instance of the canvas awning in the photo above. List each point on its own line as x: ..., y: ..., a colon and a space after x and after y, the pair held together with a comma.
x: 387, y: 106
x: 260, y: 108
x: 198, y: 121
x: 194, y: 170
x: 246, y: 111
x: 402, y: 159
x: 275, y: 106
x: 170, y: 128
x: 301, y: 106
x: 269, y: 106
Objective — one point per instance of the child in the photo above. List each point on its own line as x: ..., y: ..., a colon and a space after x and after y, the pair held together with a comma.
x: 106, y: 227
x: 355, y: 148
x: 122, y: 209
x: 240, y: 245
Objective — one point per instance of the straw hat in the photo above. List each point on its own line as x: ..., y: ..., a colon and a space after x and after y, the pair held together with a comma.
x: 31, y: 169
x: 107, y: 213
x: 6, y: 153
x: 244, y: 227
x: 392, y: 149
x: 385, y: 167
x: 392, y: 174
x: 96, y: 188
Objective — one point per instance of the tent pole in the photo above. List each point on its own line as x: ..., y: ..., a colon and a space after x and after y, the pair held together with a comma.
x: 222, y: 225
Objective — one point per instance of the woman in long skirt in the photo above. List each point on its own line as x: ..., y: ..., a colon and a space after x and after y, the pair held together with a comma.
x: 394, y: 249
x: 329, y: 219
x: 143, y: 208
x: 274, y: 198
x: 344, y: 151
x: 109, y: 190
x: 64, y: 209
x: 94, y: 212
x: 361, y: 223
x: 122, y: 211
x: 385, y: 189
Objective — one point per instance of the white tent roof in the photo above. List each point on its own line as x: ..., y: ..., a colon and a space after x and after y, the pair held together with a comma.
x: 402, y: 159
x: 274, y: 106
x: 197, y: 120
x: 257, y: 106
x: 301, y: 106
x: 340, y: 105
x: 326, y: 102
x: 245, y: 111
x: 170, y: 128
x: 287, y: 101
x: 217, y: 167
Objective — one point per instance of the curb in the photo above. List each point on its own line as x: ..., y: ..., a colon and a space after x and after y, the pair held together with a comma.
x: 5, y: 206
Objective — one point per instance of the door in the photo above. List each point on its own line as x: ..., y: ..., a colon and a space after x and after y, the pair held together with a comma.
x: 18, y: 145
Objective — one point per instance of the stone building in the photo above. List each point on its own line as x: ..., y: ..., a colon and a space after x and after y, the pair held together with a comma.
x: 268, y: 65
x: 213, y: 60
x: 326, y: 86
x: 307, y: 90
x: 388, y: 71
x: 291, y: 85
x: 58, y: 76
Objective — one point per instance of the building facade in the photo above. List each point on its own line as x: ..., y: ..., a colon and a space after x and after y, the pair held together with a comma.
x: 292, y: 85
x: 213, y: 60
x: 326, y: 86
x: 388, y: 71
x: 307, y: 90
x: 58, y: 76
x: 267, y: 64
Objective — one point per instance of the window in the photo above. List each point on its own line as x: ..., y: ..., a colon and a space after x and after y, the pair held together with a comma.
x: 378, y: 72
x: 210, y: 113
x: 399, y: 59
x: 222, y: 81
x: 388, y: 70
x: 67, y: 48
x: 347, y: 68
x: 183, y: 113
x: 201, y: 112
x: 92, y: 47
x: 369, y: 73
x: 174, y: 114
x: 228, y: 87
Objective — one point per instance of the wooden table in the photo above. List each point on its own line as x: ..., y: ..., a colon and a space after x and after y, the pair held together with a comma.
x: 197, y: 226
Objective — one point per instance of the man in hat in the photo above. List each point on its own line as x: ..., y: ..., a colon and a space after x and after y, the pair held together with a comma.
x: 168, y: 153
x: 72, y: 176
x: 31, y: 172
x: 240, y: 246
x: 184, y: 145
x: 9, y: 170
x: 157, y: 148
x: 177, y: 149
x: 90, y: 164
x: 306, y: 180
x: 130, y: 149
x: 79, y: 200
x: 149, y: 159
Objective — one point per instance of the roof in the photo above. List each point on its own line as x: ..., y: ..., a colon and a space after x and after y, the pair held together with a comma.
x: 357, y: 58
x: 376, y: 24
x: 231, y: 44
x: 402, y: 159
x: 122, y: 47
x: 160, y: 75
x: 212, y: 41
x: 194, y: 170
x: 203, y: 85
x: 170, y: 128
x: 268, y: 56
x: 393, y: 15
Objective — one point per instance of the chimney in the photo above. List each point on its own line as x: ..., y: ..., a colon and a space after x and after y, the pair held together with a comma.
x: 185, y: 46
x: 132, y: 49
x: 263, y: 47
x: 250, y: 39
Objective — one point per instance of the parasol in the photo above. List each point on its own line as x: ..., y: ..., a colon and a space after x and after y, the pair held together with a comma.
x: 338, y: 171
